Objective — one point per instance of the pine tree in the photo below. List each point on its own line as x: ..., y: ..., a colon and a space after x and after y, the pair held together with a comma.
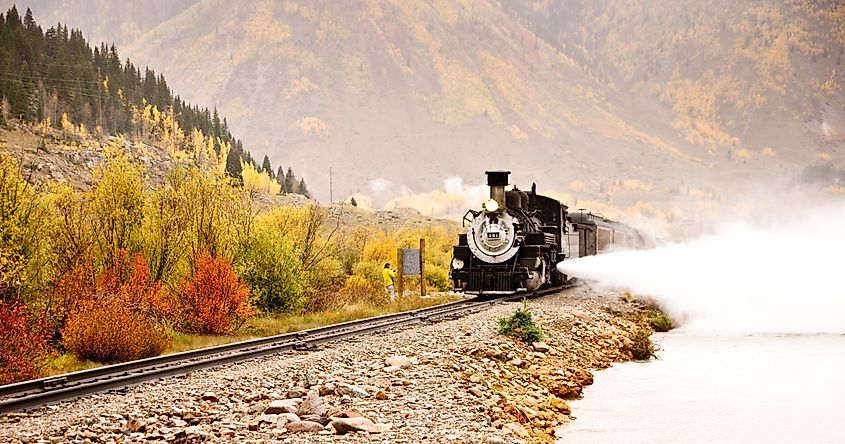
x: 280, y: 176
x: 233, y: 166
x: 266, y: 167
x: 290, y: 182
x: 353, y: 202
x: 303, y: 189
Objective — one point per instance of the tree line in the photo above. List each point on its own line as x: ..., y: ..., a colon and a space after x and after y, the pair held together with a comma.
x: 45, y: 75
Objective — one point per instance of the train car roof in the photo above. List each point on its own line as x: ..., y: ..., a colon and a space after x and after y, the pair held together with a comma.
x: 589, y: 219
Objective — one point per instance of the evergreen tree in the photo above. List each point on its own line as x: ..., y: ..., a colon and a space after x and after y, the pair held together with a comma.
x: 233, y: 166
x: 353, y: 202
x: 267, y: 168
x: 303, y: 189
x: 290, y: 182
x: 280, y: 176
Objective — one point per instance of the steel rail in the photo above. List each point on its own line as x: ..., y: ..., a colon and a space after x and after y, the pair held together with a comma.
x: 37, y: 392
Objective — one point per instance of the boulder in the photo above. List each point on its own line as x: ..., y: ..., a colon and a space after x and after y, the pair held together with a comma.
x: 304, y: 426
x: 311, y: 378
x: 398, y: 361
x: 346, y: 425
x: 541, y: 347
x: 281, y: 406
x: 296, y: 393
x: 210, y: 397
x: 352, y: 391
x: 312, y: 405
x: 285, y: 418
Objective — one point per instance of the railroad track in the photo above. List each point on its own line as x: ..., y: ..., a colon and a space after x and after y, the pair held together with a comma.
x: 38, y: 392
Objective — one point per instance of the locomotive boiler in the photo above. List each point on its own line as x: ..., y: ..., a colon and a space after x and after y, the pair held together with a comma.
x: 512, y: 244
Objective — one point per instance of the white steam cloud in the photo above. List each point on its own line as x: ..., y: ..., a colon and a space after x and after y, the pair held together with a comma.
x: 785, y: 276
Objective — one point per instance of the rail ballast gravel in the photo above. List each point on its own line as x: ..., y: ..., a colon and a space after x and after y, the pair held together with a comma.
x: 38, y: 392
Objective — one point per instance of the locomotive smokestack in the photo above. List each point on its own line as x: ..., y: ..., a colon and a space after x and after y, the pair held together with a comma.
x: 497, y: 180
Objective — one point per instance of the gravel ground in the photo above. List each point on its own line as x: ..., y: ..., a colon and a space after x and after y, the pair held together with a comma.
x: 456, y: 381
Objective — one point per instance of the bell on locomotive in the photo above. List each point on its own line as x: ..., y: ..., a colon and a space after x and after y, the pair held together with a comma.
x: 503, y: 249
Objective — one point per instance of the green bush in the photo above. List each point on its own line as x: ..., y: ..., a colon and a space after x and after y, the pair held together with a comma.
x: 660, y: 322
x: 641, y: 347
x: 272, y: 270
x: 20, y: 222
x: 438, y: 277
x: 521, y: 325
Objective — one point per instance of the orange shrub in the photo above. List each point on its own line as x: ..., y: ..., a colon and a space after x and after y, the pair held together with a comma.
x: 23, y: 347
x: 129, y: 280
x: 109, y: 331
x: 115, y: 316
x: 73, y: 290
x: 215, y: 300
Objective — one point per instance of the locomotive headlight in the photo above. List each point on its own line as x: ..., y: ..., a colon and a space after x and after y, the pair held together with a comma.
x: 457, y: 264
x: 491, y: 205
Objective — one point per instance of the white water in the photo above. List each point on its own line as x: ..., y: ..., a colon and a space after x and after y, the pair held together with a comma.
x: 719, y: 388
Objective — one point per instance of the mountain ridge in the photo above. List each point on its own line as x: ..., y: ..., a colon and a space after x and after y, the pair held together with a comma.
x: 408, y: 94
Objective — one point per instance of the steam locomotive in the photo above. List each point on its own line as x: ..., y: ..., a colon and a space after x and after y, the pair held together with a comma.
x: 515, y: 241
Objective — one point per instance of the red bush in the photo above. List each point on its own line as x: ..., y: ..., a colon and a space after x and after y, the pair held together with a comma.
x: 110, y: 331
x: 215, y: 300
x: 23, y: 345
x: 115, y: 316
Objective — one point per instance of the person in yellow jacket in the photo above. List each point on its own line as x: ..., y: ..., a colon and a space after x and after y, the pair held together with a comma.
x: 389, y: 276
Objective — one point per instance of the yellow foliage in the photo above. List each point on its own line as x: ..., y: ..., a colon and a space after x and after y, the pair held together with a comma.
x: 67, y: 126
x: 769, y: 152
x: 259, y: 182
x: 379, y: 248
x: 310, y: 125
x: 262, y: 25
x: 297, y: 86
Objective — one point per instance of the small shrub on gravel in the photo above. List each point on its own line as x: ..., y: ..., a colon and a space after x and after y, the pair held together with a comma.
x: 23, y: 346
x: 521, y: 325
x: 660, y: 322
x: 641, y: 347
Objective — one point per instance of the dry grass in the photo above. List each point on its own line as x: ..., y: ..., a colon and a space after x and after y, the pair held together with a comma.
x: 263, y: 326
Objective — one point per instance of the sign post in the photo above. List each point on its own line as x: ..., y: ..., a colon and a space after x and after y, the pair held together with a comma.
x: 412, y: 263
x: 399, y: 266
x: 422, y: 267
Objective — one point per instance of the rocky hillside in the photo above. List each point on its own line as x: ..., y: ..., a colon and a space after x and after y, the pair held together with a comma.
x: 618, y: 103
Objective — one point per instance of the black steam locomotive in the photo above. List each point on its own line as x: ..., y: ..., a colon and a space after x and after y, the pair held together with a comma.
x: 515, y: 242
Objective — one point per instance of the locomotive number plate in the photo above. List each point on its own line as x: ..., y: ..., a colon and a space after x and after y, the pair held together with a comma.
x: 492, y: 235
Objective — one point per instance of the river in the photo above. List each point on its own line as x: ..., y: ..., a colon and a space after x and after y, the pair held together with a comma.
x: 719, y: 388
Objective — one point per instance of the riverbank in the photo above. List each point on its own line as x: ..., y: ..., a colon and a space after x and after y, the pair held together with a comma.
x: 456, y: 381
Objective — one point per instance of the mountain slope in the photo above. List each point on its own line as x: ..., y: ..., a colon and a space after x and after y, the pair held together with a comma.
x: 615, y: 101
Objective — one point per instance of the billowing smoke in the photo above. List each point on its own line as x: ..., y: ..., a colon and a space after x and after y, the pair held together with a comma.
x: 786, y: 275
